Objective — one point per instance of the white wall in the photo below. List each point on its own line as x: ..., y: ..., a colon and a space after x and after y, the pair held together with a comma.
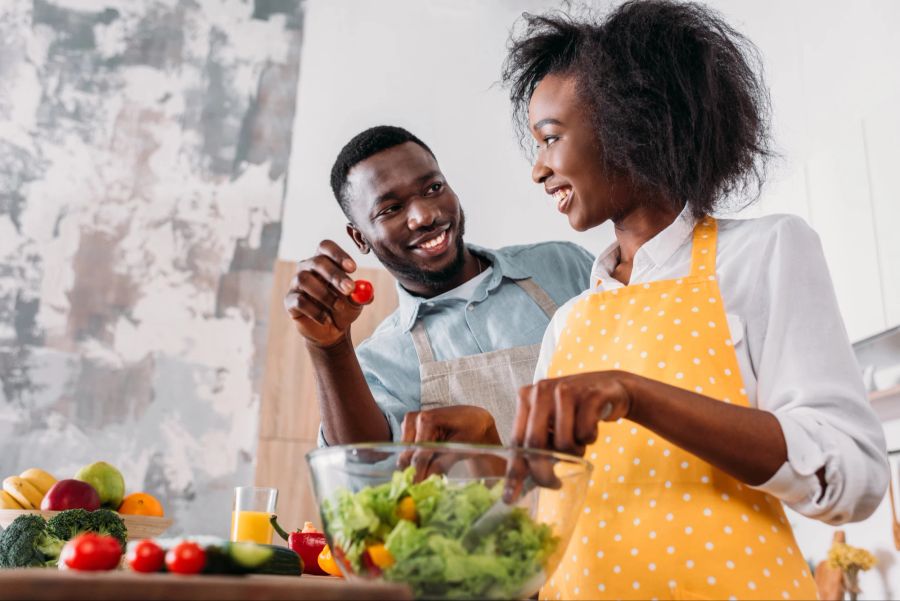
x: 431, y: 66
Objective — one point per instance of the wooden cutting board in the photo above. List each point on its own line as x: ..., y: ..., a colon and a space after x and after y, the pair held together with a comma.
x: 50, y: 584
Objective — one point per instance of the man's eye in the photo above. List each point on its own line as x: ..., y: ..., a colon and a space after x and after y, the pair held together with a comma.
x: 389, y: 210
x: 550, y: 140
x: 435, y: 187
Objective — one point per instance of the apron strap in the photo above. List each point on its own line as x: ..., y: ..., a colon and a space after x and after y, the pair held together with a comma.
x: 422, y: 343
x: 703, y: 253
x: 539, y: 296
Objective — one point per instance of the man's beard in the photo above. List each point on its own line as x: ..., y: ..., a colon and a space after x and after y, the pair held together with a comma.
x: 430, y: 279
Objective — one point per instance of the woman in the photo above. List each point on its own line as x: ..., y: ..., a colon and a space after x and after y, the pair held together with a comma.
x: 712, y: 350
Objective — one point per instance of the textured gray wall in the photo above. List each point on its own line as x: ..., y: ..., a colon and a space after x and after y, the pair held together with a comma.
x: 143, y: 148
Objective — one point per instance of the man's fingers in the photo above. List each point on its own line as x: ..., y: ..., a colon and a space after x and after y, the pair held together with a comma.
x: 407, y: 435
x: 330, y: 249
x: 305, y: 307
x: 315, y: 287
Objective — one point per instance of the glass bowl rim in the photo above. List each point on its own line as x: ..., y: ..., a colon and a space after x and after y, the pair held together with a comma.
x: 448, y: 446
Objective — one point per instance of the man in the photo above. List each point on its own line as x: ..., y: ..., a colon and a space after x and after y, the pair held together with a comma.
x: 470, y: 320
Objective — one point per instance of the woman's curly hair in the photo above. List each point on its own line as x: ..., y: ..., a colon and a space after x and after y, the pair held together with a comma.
x: 675, y: 95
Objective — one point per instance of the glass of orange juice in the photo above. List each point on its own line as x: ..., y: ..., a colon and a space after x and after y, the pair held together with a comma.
x: 253, y: 506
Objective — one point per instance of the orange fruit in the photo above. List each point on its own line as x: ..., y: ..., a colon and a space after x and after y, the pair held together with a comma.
x: 141, y: 503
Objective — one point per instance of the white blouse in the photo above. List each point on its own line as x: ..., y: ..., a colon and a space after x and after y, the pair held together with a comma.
x: 793, y: 351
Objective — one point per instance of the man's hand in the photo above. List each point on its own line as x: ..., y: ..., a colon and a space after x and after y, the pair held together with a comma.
x: 459, y: 423
x: 319, y: 298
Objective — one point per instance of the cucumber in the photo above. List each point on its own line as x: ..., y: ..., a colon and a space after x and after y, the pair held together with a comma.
x: 252, y: 558
x: 249, y: 556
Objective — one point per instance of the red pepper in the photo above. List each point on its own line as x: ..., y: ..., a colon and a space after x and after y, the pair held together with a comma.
x: 305, y: 543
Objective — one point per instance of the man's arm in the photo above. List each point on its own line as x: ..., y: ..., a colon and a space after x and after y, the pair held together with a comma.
x: 319, y: 303
x: 348, y: 409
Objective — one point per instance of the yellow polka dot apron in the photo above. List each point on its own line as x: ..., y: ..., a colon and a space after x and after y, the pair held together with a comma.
x: 658, y: 521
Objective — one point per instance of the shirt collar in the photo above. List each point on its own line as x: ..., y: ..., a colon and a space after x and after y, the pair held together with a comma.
x: 503, y: 266
x: 654, y: 253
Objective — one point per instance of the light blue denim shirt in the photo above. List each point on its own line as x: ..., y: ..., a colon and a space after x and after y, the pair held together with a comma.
x: 497, y: 315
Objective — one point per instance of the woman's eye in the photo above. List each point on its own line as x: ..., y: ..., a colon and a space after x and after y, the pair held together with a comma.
x: 550, y: 140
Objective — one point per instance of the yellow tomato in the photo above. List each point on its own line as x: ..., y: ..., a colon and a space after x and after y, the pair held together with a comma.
x: 381, y: 557
x: 327, y: 562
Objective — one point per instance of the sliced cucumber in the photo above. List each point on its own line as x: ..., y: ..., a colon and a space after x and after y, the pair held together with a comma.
x: 250, y: 555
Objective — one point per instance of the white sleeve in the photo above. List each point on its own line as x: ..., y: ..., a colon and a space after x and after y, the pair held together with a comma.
x: 551, y: 337
x: 809, y: 379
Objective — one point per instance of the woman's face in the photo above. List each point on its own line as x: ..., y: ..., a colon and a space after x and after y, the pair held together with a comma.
x: 568, y: 161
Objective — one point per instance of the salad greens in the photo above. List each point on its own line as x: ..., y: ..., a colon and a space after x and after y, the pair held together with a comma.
x: 428, y: 554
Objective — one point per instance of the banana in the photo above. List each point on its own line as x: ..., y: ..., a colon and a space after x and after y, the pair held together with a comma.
x: 23, y: 492
x: 7, y: 502
x: 39, y: 479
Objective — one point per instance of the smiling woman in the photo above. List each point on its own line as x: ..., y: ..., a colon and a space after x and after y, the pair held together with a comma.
x: 685, y: 369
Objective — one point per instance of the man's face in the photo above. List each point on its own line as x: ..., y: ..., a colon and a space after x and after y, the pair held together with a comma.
x: 404, y: 211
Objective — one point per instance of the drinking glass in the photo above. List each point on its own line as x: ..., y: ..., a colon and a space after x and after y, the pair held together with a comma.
x: 253, y: 506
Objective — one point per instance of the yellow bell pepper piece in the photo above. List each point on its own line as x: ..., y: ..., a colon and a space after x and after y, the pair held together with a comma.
x: 406, y: 509
x: 380, y: 555
x: 327, y: 563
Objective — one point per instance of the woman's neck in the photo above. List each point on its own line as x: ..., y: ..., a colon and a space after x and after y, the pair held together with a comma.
x: 635, y: 229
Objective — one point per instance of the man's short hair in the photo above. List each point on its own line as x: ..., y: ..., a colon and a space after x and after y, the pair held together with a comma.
x: 362, y: 146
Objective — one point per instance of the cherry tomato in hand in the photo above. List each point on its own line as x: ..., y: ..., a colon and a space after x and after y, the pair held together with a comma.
x: 362, y: 292
x: 186, y: 558
x: 92, y: 552
x: 145, y: 556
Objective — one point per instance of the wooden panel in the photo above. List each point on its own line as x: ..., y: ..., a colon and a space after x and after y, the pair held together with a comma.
x: 46, y: 585
x: 282, y: 464
x: 289, y: 408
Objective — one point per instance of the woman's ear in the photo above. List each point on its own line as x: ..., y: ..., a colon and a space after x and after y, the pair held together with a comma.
x: 358, y: 239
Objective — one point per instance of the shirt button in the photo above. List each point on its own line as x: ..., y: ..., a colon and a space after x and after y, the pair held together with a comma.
x: 470, y: 308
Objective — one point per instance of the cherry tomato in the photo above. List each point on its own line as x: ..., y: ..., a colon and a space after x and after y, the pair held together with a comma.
x: 92, y: 552
x: 186, y: 558
x: 145, y: 556
x: 362, y: 292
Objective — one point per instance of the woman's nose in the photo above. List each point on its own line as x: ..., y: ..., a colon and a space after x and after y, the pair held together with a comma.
x: 540, y: 171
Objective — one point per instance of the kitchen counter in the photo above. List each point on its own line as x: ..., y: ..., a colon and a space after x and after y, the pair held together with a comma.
x: 51, y: 584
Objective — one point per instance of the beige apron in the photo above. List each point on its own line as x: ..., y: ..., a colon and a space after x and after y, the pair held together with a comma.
x: 487, y: 380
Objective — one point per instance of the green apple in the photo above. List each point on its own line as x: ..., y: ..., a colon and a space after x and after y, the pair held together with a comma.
x: 107, y: 480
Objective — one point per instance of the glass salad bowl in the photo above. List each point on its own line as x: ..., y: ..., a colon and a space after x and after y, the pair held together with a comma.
x: 435, y: 517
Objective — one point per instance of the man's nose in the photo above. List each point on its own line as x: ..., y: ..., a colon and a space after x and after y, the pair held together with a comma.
x: 540, y: 171
x: 423, y: 212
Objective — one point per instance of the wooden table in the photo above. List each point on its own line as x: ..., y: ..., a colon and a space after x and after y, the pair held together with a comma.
x: 51, y: 584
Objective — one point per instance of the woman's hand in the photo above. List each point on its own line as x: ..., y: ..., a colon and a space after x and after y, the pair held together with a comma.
x: 563, y: 414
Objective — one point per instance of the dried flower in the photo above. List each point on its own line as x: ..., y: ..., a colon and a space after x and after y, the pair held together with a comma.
x: 848, y: 558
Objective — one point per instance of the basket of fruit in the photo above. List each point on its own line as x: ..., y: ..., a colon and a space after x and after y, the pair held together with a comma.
x: 95, y: 486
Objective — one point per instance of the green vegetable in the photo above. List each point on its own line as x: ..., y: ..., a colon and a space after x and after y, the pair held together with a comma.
x: 429, y: 555
x: 251, y: 558
x: 27, y: 543
x: 72, y: 522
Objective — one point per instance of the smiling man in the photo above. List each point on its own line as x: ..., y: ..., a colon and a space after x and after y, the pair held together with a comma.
x: 467, y: 332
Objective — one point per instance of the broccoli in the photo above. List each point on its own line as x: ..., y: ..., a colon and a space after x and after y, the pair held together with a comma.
x: 68, y: 524
x: 28, y: 543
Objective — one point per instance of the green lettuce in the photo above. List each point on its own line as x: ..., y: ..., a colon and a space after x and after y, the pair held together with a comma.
x: 429, y: 554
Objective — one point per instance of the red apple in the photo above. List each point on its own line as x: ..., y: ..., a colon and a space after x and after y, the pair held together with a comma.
x: 71, y: 494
